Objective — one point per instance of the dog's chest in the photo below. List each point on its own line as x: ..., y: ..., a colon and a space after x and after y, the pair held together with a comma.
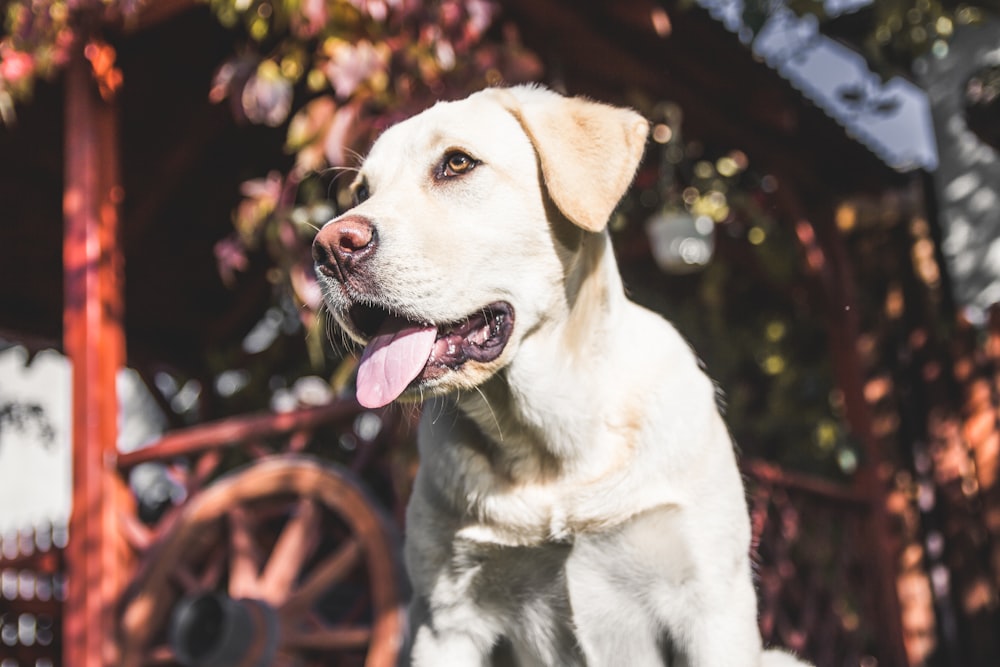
x: 525, y: 589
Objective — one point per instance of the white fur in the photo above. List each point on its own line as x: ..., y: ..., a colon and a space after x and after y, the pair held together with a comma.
x: 578, y: 500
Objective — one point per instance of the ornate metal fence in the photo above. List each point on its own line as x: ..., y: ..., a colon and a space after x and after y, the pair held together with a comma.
x: 811, y: 539
x: 32, y: 588
x: 810, y: 536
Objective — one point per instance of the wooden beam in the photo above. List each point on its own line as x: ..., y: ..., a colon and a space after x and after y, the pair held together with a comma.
x: 93, y: 338
x: 237, y: 431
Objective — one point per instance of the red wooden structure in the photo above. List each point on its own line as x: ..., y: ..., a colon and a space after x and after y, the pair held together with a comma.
x: 123, y: 578
x: 97, y: 560
x: 292, y: 548
x: 316, y: 526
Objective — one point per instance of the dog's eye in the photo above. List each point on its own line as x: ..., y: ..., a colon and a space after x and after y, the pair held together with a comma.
x: 457, y: 163
x: 360, y: 193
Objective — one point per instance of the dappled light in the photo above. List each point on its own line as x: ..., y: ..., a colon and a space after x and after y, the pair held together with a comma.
x: 845, y: 304
x: 811, y: 557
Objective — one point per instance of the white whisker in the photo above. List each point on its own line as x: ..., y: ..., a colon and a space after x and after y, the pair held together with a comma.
x: 440, y: 412
x: 339, y: 169
x: 358, y: 157
x: 492, y: 413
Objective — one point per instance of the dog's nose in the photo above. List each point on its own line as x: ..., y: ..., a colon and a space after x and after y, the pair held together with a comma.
x: 341, y: 244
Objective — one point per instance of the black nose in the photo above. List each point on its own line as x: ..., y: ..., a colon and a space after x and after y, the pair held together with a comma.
x: 343, y: 244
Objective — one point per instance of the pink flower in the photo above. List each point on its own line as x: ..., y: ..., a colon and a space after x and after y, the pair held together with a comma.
x: 230, y: 257
x: 339, y: 135
x: 267, y: 189
x: 377, y: 9
x: 307, y: 133
x: 15, y: 65
x: 260, y: 199
x: 306, y: 287
x: 313, y: 17
x: 350, y: 65
x: 267, y: 96
x: 481, y: 14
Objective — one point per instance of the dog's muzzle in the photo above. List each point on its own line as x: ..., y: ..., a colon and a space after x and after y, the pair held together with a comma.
x: 343, y: 245
x: 400, y: 350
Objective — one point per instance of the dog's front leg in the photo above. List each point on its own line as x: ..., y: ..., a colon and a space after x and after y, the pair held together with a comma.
x: 433, y: 649
x: 723, y: 630
x: 435, y: 643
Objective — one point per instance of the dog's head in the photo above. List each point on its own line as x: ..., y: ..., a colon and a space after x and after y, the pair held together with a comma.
x: 458, y: 246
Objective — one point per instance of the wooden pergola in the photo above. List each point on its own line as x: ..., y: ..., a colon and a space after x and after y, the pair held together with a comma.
x: 138, y: 206
x: 116, y: 605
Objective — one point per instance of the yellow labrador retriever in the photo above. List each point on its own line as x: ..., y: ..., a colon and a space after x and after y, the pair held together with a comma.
x: 578, y: 500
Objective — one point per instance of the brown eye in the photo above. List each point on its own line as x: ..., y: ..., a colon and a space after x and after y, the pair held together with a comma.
x: 360, y: 193
x: 456, y: 164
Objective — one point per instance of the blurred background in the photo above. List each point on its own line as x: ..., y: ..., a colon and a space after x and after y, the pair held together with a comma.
x: 185, y: 478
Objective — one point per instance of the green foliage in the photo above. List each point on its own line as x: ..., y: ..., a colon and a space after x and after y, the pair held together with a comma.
x: 332, y: 74
x: 35, y: 43
x: 329, y: 74
x: 751, y: 313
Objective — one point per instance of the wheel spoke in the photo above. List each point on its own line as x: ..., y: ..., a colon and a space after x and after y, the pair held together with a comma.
x: 203, y: 469
x: 186, y: 579
x: 286, y: 659
x: 329, y: 639
x: 244, y: 556
x: 216, y: 565
x: 138, y: 536
x: 159, y: 655
x: 185, y: 574
x: 294, y: 546
x: 267, y: 533
x: 326, y: 573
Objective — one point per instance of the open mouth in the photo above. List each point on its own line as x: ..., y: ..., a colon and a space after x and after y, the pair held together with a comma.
x: 401, y: 351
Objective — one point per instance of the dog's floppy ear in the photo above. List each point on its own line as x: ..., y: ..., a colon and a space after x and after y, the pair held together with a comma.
x: 589, y: 152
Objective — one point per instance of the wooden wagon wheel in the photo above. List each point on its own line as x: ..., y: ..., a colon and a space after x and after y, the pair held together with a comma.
x: 284, y: 563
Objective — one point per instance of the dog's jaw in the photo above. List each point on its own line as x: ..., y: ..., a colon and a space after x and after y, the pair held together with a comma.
x: 411, y: 355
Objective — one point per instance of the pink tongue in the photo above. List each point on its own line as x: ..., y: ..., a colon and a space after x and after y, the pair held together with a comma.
x: 392, y: 359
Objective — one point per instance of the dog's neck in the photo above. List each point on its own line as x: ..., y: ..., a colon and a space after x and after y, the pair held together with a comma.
x: 531, y: 422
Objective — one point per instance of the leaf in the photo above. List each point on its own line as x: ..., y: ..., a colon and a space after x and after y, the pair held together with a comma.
x: 267, y: 95
x: 338, y: 135
x: 8, y: 115
x: 350, y: 65
x: 231, y: 76
x: 261, y: 197
x: 307, y: 131
x: 15, y: 66
x: 230, y: 258
x: 310, y: 19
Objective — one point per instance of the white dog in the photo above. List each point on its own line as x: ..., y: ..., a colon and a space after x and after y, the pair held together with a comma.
x: 578, y: 500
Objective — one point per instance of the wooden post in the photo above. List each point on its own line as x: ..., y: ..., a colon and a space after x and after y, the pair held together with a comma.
x: 93, y: 339
x: 827, y: 261
x: 845, y: 330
